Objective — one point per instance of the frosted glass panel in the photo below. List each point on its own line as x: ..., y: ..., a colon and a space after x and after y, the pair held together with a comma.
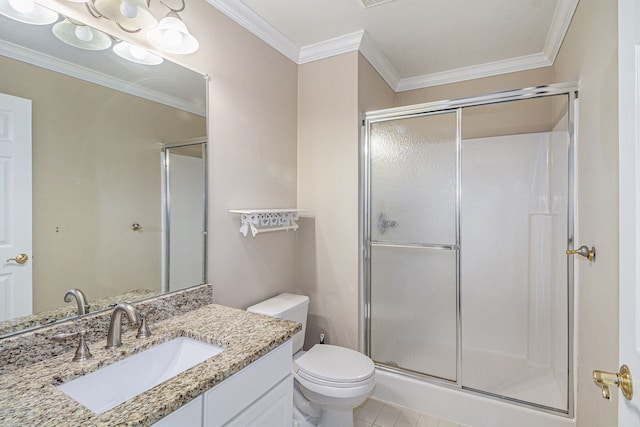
x: 413, y: 179
x: 413, y: 309
x: 513, y: 271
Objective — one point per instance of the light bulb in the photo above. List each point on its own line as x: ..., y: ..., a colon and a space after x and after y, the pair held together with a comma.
x: 128, y: 10
x: 83, y: 33
x: 172, y: 38
x: 137, y: 52
x: 22, y: 6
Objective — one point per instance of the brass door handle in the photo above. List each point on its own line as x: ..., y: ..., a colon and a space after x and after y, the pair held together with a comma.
x: 20, y: 258
x: 584, y: 251
x: 621, y: 379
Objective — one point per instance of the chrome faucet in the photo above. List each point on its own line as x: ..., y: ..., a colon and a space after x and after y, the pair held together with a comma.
x: 81, y: 299
x: 114, y: 337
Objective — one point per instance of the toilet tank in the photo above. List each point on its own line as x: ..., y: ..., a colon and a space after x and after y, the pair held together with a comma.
x: 289, y: 307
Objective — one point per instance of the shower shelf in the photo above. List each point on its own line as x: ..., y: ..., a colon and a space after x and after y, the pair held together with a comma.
x: 267, y: 220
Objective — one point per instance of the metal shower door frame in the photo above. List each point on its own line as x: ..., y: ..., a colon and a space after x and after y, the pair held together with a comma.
x: 449, y: 106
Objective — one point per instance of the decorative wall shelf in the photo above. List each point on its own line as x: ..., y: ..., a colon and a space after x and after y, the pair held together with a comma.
x: 267, y: 220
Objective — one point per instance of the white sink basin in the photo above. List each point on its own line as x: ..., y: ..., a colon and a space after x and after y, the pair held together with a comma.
x: 110, y: 386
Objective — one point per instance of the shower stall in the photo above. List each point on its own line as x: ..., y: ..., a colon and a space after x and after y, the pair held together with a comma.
x: 467, y: 217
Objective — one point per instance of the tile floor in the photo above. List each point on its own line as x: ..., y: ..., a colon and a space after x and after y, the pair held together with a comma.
x: 378, y: 413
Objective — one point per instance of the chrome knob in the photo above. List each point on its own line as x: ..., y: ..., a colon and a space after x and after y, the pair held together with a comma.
x: 20, y: 258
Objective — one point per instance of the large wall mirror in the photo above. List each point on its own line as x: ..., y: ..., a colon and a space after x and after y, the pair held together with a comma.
x: 103, y: 132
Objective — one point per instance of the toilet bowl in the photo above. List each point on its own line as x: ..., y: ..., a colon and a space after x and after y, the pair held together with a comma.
x: 332, y: 380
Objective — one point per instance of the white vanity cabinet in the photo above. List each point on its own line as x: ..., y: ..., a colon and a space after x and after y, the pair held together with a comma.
x: 188, y: 415
x: 255, y: 388
x: 259, y: 395
x: 273, y: 409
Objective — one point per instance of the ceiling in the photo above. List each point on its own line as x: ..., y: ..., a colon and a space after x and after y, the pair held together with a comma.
x: 413, y: 43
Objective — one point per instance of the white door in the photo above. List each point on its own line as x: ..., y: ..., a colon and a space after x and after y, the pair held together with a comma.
x: 15, y: 207
x: 629, y: 122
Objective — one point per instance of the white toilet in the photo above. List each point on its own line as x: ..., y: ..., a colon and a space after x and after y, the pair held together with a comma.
x: 334, y: 380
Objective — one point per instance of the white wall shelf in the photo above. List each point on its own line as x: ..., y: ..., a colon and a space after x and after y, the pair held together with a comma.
x: 267, y: 220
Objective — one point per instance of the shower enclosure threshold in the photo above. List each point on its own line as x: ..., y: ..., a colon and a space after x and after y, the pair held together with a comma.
x: 464, y: 406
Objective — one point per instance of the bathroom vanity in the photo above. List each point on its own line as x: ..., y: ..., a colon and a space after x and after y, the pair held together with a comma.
x: 259, y: 395
x: 248, y: 383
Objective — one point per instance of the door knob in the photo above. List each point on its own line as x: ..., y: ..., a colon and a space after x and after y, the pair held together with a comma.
x: 621, y: 379
x: 20, y: 258
x: 584, y: 251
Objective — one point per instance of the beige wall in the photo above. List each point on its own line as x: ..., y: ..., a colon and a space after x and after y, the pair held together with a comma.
x: 96, y: 171
x: 252, y: 155
x: 589, y: 55
x: 328, y: 189
x: 373, y: 92
x: 252, y: 148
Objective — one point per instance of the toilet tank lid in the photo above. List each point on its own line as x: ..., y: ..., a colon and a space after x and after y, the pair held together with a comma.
x: 279, y: 305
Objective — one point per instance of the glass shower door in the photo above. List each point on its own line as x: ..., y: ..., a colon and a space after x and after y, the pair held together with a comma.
x: 513, y: 269
x: 413, y: 247
x: 468, y: 213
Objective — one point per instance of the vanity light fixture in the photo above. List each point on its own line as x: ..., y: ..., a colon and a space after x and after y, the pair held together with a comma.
x: 27, y: 12
x: 131, y: 15
x: 136, y: 54
x: 169, y: 35
x: 81, y: 36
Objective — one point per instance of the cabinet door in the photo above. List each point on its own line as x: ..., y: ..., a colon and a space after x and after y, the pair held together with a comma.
x: 188, y: 415
x: 238, y: 392
x: 274, y: 409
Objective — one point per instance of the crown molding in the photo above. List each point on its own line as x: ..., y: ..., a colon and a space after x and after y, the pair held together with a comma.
x: 332, y: 47
x: 559, y: 27
x: 64, y: 67
x: 359, y: 40
x: 489, y: 69
x: 379, y: 61
x: 251, y: 21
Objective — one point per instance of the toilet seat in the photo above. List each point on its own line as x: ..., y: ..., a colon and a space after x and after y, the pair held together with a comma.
x: 334, y: 366
x: 306, y: 378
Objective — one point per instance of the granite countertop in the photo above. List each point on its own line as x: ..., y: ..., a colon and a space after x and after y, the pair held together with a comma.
x: 28, y: 395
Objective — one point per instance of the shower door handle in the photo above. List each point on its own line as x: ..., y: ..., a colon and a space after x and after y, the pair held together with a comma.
x: 384, y: 223
x: 584, y: 251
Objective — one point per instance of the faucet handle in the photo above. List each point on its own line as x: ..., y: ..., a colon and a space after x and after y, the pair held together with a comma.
x: 143, y: 329
x: 82, y: 352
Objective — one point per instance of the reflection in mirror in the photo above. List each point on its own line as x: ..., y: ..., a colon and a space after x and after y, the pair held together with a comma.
x: 97, y: 142
x: 185, y: 166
